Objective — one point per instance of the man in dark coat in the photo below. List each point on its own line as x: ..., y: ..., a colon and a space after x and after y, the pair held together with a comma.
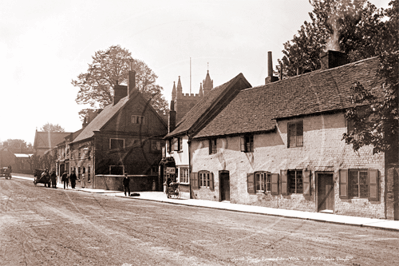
x: 53, y: 178
x: 72, y: 177
x: 126, y: 186
x: 64, y: 178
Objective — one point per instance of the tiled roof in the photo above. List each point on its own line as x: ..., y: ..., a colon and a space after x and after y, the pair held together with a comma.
x: 207, y: 104
x: 48, y: 140
x: 254, y: 109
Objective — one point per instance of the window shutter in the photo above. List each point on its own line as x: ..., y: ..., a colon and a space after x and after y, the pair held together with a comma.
x: 210, y: 146
x: 242, y: 143
x: 284, y: 182
x: 194, y: 180
x: 211, y: 179
x: 306, y: 182
x: 373, y: 184
x: 343, y: 184
x: 274, y: 184
x: 251, y: 183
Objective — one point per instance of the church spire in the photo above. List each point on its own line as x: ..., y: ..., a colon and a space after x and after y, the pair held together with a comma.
x: 208, y: 83
x: 201, y: 91
x: 174, y: 91
x: 179, y: 88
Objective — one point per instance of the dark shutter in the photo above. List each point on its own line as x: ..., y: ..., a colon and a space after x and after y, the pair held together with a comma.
x: 211, y: 185
x: 274, y: 184
x: 251, y: 183
x: 284, y: 182
x: 210, y: 146
x: 373, y: 184
x: 242, y: 143
x: 343, y: 184
x: 306, y: 182
x: 194, y: 180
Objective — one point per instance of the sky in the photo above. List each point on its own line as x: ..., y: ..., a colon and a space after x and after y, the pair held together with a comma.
x: 45, y: 44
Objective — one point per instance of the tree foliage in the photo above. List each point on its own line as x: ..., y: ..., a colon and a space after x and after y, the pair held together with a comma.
x: 350, y: 26
x: 375, y: 116
x: 110, y: 67
x: 48, y: 127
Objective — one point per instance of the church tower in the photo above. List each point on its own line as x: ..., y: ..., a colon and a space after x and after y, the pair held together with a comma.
x: 208, y: 84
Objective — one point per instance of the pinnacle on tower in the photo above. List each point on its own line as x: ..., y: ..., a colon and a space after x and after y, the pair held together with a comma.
x: 208, y: 83
x: 174, y: 91
x: 179, y: 88
x: 201, y: 91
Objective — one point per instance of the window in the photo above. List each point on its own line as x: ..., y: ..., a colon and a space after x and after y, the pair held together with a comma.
x: 203, y: 179
x: 178, y: 144
x: 183, y: 175
x: 247, y: 143
x: 116, y: 169
x: 169, y: 145
x: 358, y: 185
x: 212, y: 146
x: 262, y: 180
x: 295, y: 183
x: 295, y: 134
x: 116, y: 144
x: 137, y: 119
x: 88, y: 174
x: 156, y: 146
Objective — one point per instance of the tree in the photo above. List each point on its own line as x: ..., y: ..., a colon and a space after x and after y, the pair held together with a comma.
x: 52, y: 128
x: 350, y: 26
x: 110, y: 67
x: 375, y: 115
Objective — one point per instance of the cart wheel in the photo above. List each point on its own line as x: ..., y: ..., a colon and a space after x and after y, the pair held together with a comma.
x: 34, y: 182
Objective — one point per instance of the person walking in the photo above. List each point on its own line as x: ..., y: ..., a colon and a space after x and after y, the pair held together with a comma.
x: 53, y: 178
x: 64, y: 179
x: 126, y: 187
x: 72, y: 177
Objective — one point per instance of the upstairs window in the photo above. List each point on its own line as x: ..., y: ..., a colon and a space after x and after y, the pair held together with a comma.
x: 137, y: 119
x: 212, y: 146
x: 295, y: 134
x: 247, y: 143
x: 178, y: 144
x: 116, y: 144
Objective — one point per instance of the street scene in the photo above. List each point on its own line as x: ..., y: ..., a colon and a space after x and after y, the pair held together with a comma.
x: 45, y: 226
x: 186, y: 132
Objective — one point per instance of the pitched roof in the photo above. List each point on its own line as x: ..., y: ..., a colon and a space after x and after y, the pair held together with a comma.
x: 109, y: 111
x: 254, y: 109
x: 208, y: 104
x: 48, y: 140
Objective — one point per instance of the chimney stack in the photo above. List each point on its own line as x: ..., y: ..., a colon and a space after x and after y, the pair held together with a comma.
x: 331, y: 59
x: 270, y: 78
x: 132, y: 81
x: 119, y: 92
x: 172, y: 117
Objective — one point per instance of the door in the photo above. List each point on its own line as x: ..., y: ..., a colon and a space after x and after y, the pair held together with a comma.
x: 325, y: 192
x: 224, y: 186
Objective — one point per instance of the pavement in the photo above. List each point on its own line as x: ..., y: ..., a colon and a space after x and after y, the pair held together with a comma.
x: 225, y: 205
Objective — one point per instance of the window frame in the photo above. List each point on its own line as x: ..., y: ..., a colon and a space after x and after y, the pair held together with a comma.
x: 263, y: 178
x: 290, y: 143
x: 110, y: 143
x: 296, y: 182
x: 213, y: 146
x: 137, y: 119
x: 204, y: 179
x: 184, y: 179
x: 351, y: 185
x: 247, y: 143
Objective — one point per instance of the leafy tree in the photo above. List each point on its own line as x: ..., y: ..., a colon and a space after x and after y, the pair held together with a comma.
x: 375, y: 117
x: 350, y: 26
x: 48, y: 127
x: 110, y: 67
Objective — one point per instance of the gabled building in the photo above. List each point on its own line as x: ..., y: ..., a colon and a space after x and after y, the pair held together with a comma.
x: 177, y: 157
x: 125, y: 137
x: 45, y: 141
x: 280, y: 145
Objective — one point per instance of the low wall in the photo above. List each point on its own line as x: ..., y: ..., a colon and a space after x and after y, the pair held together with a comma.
x: 114, y: 182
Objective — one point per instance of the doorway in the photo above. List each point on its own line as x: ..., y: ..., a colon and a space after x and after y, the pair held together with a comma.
x: 325, y: 192
x: 224, y: 178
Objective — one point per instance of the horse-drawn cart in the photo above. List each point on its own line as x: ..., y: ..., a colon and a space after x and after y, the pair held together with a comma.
x: 6, y: 172
x: 41, y: 176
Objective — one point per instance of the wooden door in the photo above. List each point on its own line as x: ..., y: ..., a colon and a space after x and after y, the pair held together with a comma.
x: 224, y: 186
x: 325, y: 192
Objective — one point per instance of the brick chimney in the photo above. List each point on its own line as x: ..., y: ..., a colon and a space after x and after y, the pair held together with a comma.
x: 270, y: 78
x: 172, y: 117
x: 119, y: 92
x: 331, y: 59
x: 131, y: 81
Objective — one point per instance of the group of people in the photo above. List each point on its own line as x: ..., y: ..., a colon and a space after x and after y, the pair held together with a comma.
x: 65, y: 179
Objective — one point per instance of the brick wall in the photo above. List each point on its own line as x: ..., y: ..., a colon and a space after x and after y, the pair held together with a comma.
x: 323, y: 150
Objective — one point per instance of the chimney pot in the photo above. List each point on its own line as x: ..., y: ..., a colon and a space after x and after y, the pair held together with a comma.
x: 331, y: 59
x: 270, y: 78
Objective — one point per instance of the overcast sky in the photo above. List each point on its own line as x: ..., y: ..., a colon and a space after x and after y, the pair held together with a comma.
x: 46, y: 44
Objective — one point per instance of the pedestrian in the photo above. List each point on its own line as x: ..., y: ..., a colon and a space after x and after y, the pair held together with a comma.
x: 64, y: 179
x: 126, y: 187
x: 53, y: 177
x: 72, y: 178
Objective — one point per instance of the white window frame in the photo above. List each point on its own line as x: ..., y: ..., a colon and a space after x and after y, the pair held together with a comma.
x: 204, y: 179
x: 184, y: 178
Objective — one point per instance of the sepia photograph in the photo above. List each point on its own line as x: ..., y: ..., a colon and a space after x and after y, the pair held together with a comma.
x: 199, y: 132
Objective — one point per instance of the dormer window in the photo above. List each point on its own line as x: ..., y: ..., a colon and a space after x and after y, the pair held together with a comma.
x: 295, y: 134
